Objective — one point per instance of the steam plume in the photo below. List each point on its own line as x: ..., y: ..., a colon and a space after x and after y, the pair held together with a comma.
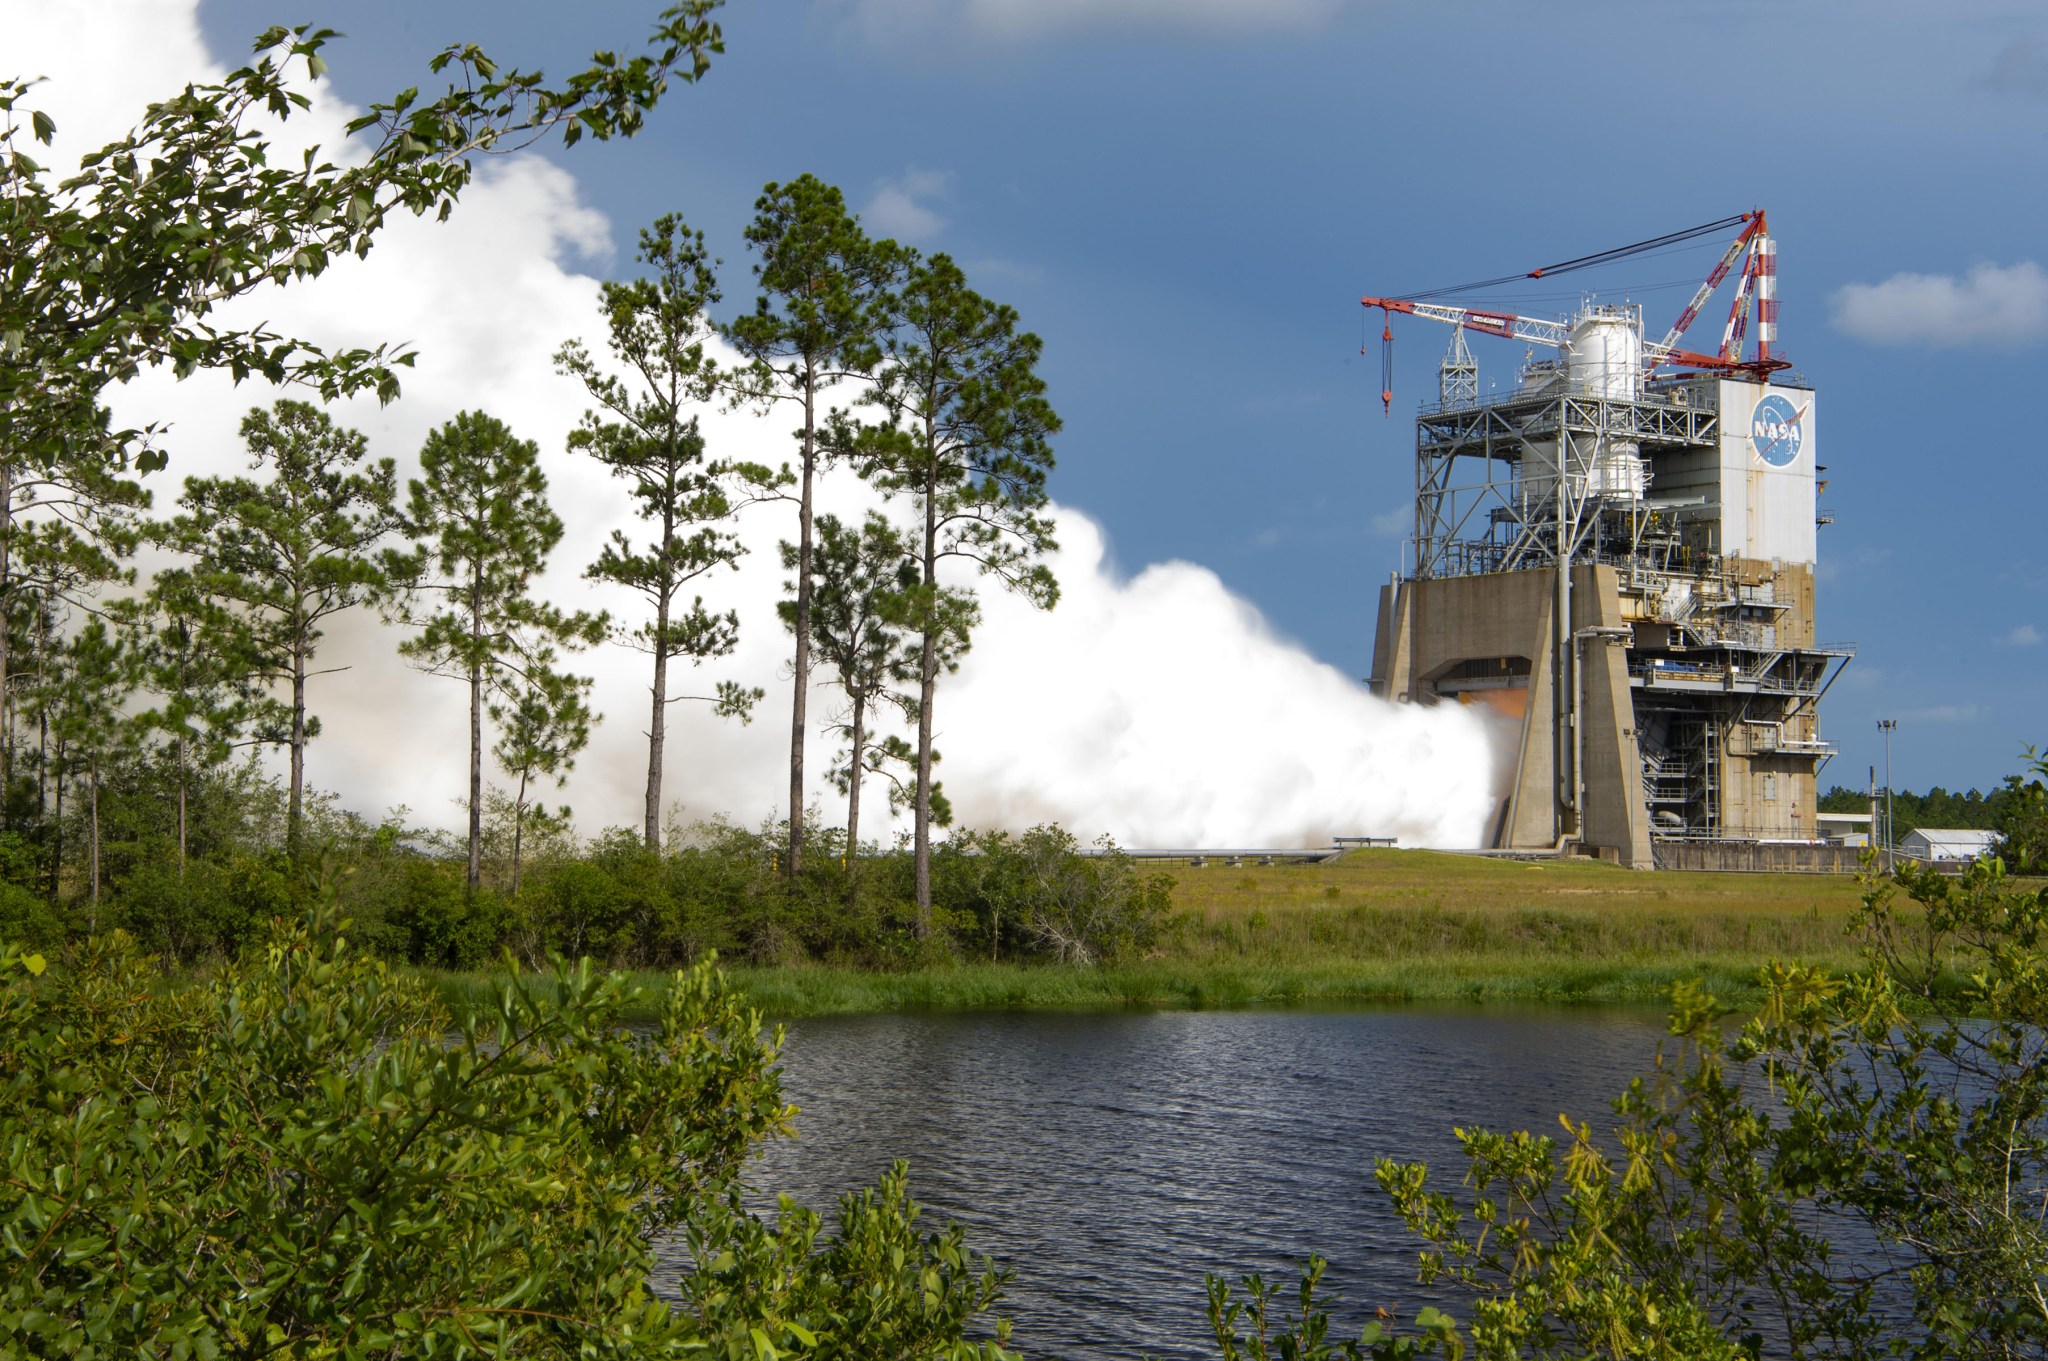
x: 1159, y: 709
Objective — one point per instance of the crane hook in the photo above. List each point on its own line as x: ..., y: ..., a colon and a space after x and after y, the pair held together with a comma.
x: 1387, y: 365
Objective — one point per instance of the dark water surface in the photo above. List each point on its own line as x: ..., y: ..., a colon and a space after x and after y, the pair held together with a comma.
x: 1112, y: 1159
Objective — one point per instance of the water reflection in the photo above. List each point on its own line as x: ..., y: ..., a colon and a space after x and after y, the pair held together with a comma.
x: 1113, y: 1159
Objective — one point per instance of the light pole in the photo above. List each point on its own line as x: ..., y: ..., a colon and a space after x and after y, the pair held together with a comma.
x: 1887, y: 726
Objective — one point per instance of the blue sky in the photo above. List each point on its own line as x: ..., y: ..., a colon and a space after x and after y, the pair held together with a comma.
x: 1186, y: 199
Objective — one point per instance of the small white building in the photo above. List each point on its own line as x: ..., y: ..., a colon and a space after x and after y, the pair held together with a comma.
x: 1843, y: 829
x: 1938, y: 845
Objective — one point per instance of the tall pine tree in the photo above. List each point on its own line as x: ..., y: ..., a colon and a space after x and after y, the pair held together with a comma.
x: 272, y: 561
x: 817, y: 320
x: 645, y: 433
x: 480, y: 519
x: 966, y: 437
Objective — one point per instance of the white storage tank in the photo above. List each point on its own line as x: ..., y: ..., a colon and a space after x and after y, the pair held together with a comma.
x: 1536, y: 476
x: 1619, y: 472
x: 1606, y: 358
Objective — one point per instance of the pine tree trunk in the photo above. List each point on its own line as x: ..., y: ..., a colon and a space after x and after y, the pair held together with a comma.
x: 476, y: 726
x: 927, y: 682
x: 57, y: 840
x: 860, y: 742
x: 476, y: 776
x: 518, y: 831
x: 181, y: 807
x: 802, y: 667
x: 657, y: 724
x: 93, y: 795
x: 6, y: 622
x: 928, y: 671
x: 295, y: 809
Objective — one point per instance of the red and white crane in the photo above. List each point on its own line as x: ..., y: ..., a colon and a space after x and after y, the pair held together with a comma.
x: 1759, y: 286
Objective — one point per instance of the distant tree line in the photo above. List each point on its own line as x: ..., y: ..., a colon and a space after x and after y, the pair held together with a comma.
x: 996, y: 896
x: 2017, y: 810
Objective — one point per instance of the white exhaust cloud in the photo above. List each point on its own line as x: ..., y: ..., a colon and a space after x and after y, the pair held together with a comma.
x: 1163, y: 711
x: 1158, y: 709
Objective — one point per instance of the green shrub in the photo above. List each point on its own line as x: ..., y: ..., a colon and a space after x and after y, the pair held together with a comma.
x: 433, y: 919
x: 726, y: 879
x: 24, y: 861
x: 2022, y: 820
x: 1037, y: 894
x: 577, y: 908
x: 179, y: 917
x: 210, y: 909
x: 300, y: 1159
x: 29, y: 918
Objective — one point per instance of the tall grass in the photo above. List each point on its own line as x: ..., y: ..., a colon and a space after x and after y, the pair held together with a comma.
x: 1377, y: 926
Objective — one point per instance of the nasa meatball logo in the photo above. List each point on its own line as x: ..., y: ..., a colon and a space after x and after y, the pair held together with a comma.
x: 1777, y: 430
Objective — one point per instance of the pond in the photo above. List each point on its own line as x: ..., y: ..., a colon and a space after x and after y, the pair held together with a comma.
x: 1111, y: 1160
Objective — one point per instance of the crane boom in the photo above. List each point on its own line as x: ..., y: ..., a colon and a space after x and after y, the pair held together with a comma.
x: 1733, y: 334
x: 1699, y: 299
x: 1502, y: 324
x: 1758, y: 286
x: 1534, y: 330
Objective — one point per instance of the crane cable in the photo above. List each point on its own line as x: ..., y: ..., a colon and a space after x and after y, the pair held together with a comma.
x: 1587, y: 261
x: 1544, y: 272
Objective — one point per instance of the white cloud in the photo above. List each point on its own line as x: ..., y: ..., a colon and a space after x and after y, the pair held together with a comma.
x: 1158, y: 708
x: 93, y: 102
x: 995, y: 267
x: 1992, y: 305
x: 2023, y: 635
x: 1023, y: 21
x: 902, y: 207
x: 1943, y: 714
x: 2025, y: 574
x: 1392, y: 524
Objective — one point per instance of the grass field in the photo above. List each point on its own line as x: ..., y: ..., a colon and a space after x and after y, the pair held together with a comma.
x: 1421, y: 905
x: 1384, y: 926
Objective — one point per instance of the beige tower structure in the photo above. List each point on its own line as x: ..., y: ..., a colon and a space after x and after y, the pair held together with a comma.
x: 1621, y: 566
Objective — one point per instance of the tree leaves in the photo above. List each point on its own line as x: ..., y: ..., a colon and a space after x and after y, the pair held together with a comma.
x: 302, y: 1157
x: 120, y: 266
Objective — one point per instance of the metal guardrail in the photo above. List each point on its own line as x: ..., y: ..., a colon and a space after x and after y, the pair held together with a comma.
x: 1198, y: 857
